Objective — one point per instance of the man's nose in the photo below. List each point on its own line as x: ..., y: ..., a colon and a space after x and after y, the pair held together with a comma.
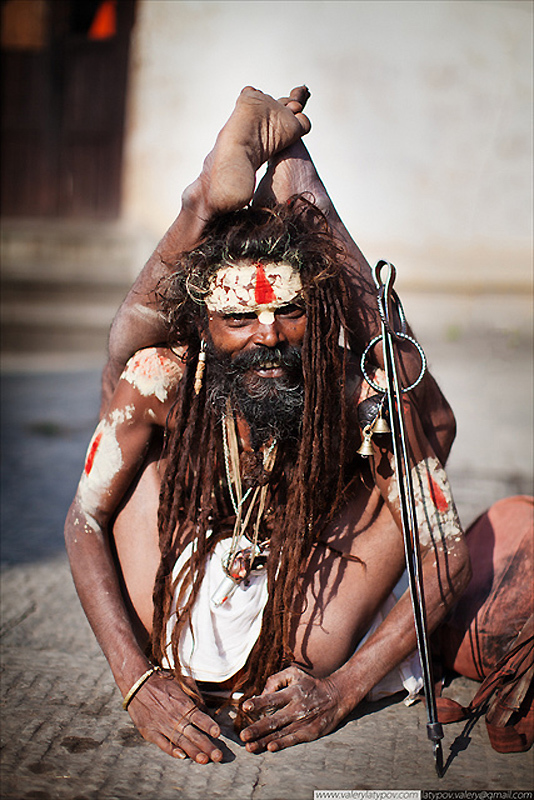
x: 268, y: 333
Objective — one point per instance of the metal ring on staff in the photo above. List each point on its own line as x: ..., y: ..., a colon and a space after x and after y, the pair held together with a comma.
x: 372, y: 343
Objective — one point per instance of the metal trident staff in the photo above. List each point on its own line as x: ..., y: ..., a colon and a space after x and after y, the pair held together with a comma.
x: 392, y: 313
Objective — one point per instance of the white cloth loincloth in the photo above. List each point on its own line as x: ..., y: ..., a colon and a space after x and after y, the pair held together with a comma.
x: 221, y: 637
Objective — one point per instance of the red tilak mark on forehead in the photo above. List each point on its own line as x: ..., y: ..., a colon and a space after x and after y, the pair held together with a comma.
x: 92, y: 453
x: 263, y: 292
x: 440, y: 501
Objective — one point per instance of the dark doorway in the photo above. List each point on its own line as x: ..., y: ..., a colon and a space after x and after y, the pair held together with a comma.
x: 64, y: 74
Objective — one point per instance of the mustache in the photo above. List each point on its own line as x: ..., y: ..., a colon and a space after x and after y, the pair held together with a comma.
x: 285, y: 356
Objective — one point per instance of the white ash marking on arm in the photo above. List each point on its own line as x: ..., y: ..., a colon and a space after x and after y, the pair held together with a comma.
x: 152, y: 373
x: 434, y: 505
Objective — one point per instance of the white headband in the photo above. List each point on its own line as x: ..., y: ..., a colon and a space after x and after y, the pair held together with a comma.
x: 261, y: 288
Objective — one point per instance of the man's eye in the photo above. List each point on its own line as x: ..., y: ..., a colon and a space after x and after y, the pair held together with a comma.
x: 239, y: 319
x: 292, y: 310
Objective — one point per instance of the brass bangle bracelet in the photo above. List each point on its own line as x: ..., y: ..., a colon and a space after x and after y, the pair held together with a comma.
x: 137, y: 685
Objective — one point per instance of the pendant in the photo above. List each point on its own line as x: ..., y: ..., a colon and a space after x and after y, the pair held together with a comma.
x: 238, y: 568
x: 224, y: 591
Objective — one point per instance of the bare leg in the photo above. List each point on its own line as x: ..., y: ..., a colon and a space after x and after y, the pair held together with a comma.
x: 258, y: 128
x: 291, y: 172
x: 300, y: 705
x: 341, y: 597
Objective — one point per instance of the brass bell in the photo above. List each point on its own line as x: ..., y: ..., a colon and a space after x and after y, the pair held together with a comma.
x: 381, y: 425
x: 366, y: 448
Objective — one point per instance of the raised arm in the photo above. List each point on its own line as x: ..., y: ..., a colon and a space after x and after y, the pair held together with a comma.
x: 116, y: 454
x: 446, y: 568
x: 296, y: 706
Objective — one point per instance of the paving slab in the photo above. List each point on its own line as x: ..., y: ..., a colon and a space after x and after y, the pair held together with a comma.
x: 65, y: 736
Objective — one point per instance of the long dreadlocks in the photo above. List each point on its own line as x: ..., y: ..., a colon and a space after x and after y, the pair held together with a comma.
x: 194, y: 499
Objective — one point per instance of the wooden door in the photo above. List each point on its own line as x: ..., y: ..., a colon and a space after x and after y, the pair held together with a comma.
x: 64, y: 75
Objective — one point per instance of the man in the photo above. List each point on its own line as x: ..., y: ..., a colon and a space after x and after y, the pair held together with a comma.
x: 225, y: 523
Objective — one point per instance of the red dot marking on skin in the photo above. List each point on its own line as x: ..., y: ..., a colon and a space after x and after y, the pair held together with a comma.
x: 440, y: 501
x: 263, y: 292
x: 92, y: 454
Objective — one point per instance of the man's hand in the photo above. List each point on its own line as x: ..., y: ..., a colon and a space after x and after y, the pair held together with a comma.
x: 166, y: 716
x: 294, y: 707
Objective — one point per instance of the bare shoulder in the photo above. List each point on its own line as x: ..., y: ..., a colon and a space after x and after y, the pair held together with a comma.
x: 154, y: 373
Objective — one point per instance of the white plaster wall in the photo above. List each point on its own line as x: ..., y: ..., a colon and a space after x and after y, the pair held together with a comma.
x: 421, y: 111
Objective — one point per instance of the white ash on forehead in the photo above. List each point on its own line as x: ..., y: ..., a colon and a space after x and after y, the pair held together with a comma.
x: 253, y: 287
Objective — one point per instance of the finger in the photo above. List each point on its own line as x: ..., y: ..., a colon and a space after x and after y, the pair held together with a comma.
x: 261, y: 731
x: 197, y: 750
x: 290, y: 735
x: 289, y: 739
x: 204, y: 723
x: 194, y: 753
x: 267, y: 703
x: 289, y: 676
x: 193, y: 714
x: 164, y: 744
x: 279, y: 680
x: 167, y: 746
x: 195, y: 744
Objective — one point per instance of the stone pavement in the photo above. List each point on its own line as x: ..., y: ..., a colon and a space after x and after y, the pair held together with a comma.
x: 64, y: 734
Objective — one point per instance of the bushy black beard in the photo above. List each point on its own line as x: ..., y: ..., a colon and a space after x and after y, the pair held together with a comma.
x: 272, y: 407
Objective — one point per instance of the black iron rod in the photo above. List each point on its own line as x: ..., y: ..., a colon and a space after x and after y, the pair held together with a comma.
x: 409, y: 525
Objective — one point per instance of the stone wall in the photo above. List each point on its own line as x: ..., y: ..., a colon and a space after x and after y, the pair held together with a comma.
x: 421, y: 111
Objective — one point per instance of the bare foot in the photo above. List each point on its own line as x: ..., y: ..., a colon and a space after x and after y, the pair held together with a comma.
x: 258, y: 128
